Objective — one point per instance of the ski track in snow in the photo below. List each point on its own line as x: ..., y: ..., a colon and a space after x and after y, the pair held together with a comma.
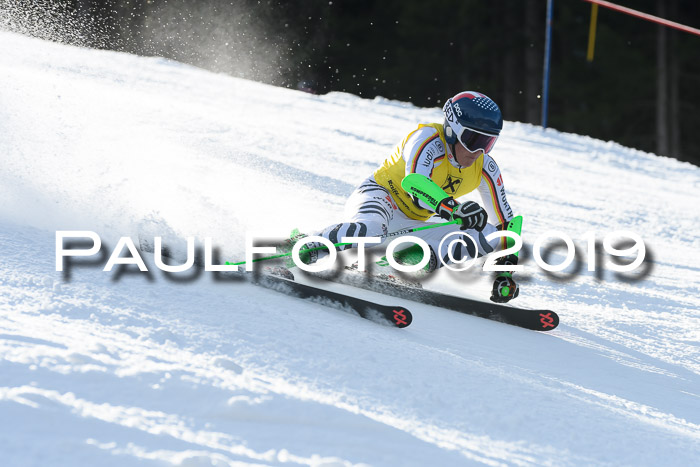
x: 116, y: 369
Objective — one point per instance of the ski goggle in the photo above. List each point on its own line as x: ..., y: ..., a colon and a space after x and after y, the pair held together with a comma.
x: 474, y: 140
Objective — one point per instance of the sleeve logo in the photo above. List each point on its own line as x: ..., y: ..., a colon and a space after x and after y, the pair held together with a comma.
x: 440, y: 147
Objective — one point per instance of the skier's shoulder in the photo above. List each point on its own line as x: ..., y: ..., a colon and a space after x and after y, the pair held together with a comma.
x: 490, y: 167
x: 424, y: 136
x: 428, y: 130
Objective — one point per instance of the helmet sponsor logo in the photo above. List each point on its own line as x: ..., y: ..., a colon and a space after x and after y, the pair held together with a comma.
x: 457, y: 109
x: 449, y: 115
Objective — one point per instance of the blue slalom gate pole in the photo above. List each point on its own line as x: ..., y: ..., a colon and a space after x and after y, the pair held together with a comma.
x: 547, y: 58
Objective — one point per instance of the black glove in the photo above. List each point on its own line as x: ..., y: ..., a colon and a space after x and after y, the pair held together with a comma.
x: 504, y: 288
x: 470, y: 213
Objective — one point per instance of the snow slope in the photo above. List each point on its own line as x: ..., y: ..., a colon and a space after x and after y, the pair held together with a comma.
x: 116, y: 369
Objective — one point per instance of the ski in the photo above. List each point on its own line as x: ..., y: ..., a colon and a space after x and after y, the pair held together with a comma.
x: 537, y: 320
x: 282, y: 280
x: 397, y: 316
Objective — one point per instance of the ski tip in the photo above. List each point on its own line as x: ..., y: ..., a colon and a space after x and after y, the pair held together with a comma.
x: 402, y: 317
x: 548, y: 320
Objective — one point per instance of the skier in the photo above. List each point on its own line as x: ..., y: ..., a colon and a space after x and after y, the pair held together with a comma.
x: 455, y: 156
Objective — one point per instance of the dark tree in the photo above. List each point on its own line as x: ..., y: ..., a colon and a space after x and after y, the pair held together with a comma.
x: 642, y: 89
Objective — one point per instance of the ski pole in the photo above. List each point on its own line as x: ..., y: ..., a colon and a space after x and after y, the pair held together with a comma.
x: 383, y: 237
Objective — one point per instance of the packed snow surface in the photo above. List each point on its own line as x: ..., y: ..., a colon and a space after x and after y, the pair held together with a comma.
x: 107, y: 368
